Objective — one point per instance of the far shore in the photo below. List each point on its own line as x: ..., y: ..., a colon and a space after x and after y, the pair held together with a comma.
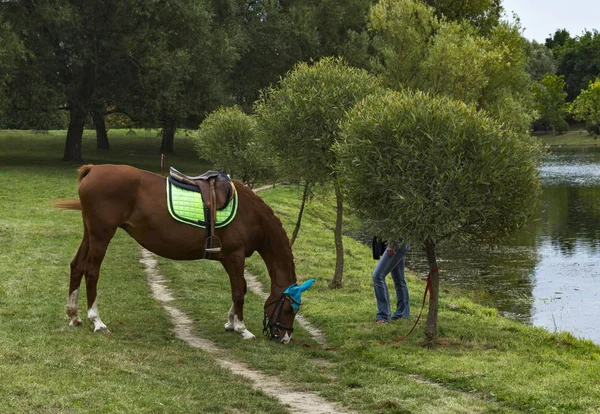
x: 572, y: 138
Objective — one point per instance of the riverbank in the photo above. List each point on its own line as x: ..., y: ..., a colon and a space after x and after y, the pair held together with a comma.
x: 481, y: 362
x: 574, y: 138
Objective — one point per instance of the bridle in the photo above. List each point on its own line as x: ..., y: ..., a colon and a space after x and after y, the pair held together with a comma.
x: 271, y: 326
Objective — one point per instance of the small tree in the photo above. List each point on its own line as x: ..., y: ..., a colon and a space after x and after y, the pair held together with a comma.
x: 432, y: 170
x: 586, y: 107
x: 301, y: 118
x: 229, y: 139
x: 549, y: 97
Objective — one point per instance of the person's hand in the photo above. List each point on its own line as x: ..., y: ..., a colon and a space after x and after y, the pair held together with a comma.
x: 390, y: 251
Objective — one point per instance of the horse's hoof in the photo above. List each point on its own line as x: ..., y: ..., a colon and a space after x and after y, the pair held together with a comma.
x: 247, y: 335
x: 228, y: 327
x: 75, y: 322
x: 102, y: 329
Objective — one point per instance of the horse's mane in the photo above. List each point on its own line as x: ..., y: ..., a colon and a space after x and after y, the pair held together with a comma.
x: 276, y: 237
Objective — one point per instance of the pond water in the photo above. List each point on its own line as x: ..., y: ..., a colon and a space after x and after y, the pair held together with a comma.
x: 548, y: 274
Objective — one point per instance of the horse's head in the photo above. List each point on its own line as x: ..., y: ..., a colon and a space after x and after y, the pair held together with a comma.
x: 280, y: 312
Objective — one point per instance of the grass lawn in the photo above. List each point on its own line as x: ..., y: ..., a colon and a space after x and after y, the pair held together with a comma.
x: 482, y: 363
x: 575, y: 137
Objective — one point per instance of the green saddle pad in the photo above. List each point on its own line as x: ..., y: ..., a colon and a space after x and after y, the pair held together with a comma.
x: 185, y: 205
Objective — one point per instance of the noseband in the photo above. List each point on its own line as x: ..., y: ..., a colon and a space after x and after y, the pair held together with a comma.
x: 271, y: 326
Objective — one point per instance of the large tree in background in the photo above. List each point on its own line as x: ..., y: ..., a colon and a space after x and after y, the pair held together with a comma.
x: 11, y: 52
x: 160, y: 62
x: 278, y: 34
x: 77, y: 47
x: 483, y: 15
x: 549, y: 96
x: 300, y: 118
x: 541, y: 60
x: 579, y: 61
x: 416, y: 50
x: 403, y: 32
x: 586, y: 107
x: 202, y: 44
x: 432, y: 170
x: 558, y: 39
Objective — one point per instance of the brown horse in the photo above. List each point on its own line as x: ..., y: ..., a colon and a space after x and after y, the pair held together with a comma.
x: 113, y: 196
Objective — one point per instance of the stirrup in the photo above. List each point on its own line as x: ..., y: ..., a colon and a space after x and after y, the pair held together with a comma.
x: 212, y: 249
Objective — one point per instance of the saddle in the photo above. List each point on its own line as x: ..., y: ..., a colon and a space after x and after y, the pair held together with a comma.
x: 217, y: 191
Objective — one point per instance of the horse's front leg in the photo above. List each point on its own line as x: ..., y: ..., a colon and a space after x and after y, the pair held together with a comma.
x: 234, y: 265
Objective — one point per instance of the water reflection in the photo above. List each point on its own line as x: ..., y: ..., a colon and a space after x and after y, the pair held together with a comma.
x: 547, y: 274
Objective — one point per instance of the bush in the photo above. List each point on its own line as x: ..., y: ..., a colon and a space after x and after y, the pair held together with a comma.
x: 229, y: 139
x: 431, y: 169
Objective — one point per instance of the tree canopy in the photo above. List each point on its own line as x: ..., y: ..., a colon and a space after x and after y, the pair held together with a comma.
x: 415, y: 49
x: 541, y: 60
x: 481, y: 14
x: 587, y: 106
x: 11, y: 52
x: 549, y: 96
x: 578, y: 59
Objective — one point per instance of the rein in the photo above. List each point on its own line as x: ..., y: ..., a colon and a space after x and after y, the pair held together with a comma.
x: 427, y: 290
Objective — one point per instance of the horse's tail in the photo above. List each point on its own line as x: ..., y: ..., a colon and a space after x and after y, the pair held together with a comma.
x: 68, y: 204
x: 83, y: 171
x: 74, y: 203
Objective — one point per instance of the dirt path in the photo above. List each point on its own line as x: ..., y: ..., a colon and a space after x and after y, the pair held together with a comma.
x: 296, y: 401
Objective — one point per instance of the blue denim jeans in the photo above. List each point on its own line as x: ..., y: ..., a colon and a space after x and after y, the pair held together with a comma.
x: 394, y: 265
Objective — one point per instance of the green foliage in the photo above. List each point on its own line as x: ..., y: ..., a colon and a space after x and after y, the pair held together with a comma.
x: 558, y: 39
x: 540, y: 60
x: 11, y: 52
x: 481, y: 14
x: 188, y: 73
x: 579, y: 61
x: 278, y: 34
x: 433, y: 169
x: 300, y: 116
x: 549, y: 97
x: 587, y: 106
x: 416, y: 50
x: 403, y: 31
x: 458, y: 63
x: 229, y: 139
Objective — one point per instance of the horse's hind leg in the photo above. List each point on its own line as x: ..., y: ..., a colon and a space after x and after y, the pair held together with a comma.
x: 98, y: 243
x: 78, y: 265
x: 234, y: 265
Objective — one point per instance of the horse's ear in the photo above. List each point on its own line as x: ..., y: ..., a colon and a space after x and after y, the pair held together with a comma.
x: 304, y: 286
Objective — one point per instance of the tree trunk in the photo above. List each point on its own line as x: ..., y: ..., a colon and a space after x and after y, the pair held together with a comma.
x: 73, y: 150
x: 431, y: 325
x: 168, y: 139
x: 336, y: 283
x: 100, y: 125
x: 297, y: 228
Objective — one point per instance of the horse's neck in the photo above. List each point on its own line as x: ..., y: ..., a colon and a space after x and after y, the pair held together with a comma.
x: 277, y: 254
